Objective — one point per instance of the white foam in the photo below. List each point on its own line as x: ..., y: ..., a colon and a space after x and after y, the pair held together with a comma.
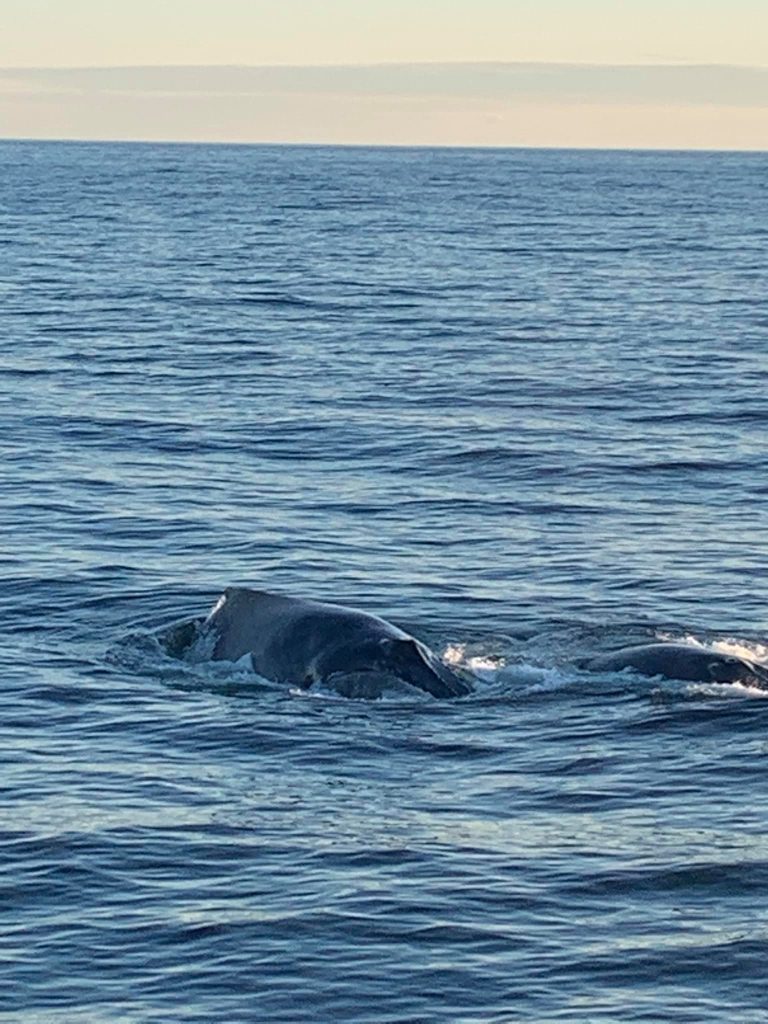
x: 498, y: 672
x: 725, y: 690
x: 748, y: 650
x: 483, y: 666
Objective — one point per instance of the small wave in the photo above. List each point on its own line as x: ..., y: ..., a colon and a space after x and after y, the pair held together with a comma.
x: 157, y: 656
x: 489, y: 455
x: 376, y: 687
x: 536, y: 679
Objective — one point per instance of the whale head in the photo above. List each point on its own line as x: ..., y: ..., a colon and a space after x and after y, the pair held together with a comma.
x: 414, y: 663
x: 400, y: 658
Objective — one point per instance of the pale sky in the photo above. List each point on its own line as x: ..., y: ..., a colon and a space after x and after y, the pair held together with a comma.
x: 625, y: 93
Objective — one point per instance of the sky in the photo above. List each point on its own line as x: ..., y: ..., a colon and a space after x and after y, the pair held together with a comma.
x: 644, y: 73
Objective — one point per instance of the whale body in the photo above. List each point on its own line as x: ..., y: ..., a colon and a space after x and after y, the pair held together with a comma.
x: 682, y: 661
x: 301, y: 642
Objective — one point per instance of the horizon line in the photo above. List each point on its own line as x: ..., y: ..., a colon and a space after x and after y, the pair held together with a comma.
x: 701, y: 151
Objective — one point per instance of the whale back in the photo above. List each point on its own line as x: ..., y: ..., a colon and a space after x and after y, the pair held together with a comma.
x: 300, y: 642
x: 682, y: 661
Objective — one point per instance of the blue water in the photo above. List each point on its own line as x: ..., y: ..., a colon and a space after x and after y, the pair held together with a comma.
x: 514, y: 401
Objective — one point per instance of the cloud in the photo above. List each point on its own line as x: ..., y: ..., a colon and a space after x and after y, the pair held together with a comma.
x: 476, y: 104
x: 695, y: 84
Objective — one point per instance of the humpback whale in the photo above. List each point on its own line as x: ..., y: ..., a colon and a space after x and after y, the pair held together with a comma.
x: 682, y: 661
x: 300, y: 642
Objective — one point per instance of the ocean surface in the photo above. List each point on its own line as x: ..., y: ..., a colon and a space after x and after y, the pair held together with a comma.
x: 513, y: 401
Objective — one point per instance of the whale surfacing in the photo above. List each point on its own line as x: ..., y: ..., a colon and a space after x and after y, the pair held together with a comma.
x: 683, y: 661
x: 300, y: 642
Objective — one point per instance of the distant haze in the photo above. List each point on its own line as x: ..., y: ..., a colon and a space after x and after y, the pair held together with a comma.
x: 112, y: 33
x: 486, y: 103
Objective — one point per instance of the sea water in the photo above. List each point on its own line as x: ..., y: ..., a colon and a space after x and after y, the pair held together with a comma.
x: 515, y: 402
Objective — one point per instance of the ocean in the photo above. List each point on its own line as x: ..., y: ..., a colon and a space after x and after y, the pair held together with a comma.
x: 511, y: 400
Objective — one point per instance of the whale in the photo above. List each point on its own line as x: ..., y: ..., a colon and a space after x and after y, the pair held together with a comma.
x: 682, y: 661
x: 302, y: 642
